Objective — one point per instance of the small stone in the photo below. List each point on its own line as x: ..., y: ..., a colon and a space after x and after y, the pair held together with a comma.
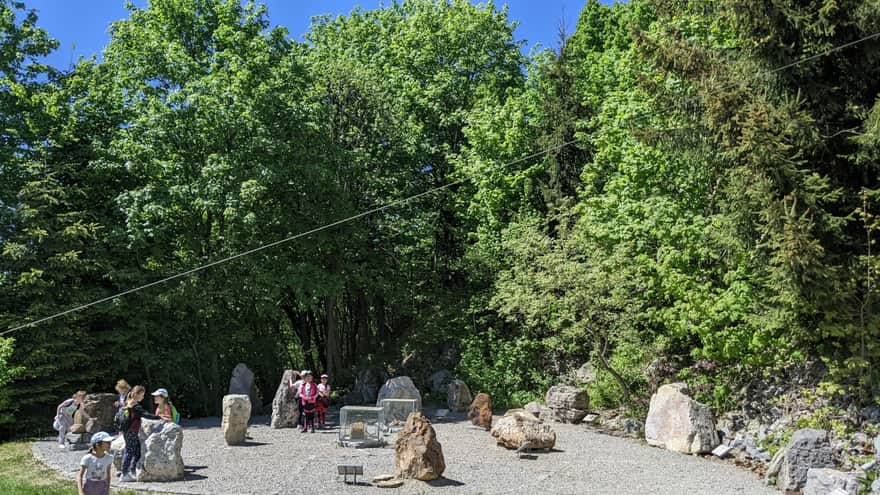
x: 591, y: 419
x: 868, y: 466
x: 392, y: 483
x: 383, y: 477
x: 518, y: 427
x: 480, y: 412
x: 721, y: 451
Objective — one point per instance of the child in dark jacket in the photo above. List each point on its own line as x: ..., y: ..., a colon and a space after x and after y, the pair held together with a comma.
x: 132, y: 454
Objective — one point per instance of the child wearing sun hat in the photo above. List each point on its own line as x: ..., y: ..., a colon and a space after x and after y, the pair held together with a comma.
x: 94, y: 470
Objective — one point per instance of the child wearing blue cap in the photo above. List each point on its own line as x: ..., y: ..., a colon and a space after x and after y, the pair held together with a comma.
x: 94, y: 471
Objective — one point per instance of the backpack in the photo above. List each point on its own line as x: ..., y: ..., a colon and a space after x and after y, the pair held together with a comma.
x: 175, y: 416
x: 122, y: 420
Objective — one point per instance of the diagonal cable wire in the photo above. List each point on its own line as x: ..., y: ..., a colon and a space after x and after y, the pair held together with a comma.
x: 397, y: 202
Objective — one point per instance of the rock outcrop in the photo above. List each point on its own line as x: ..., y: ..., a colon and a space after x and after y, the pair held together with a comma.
x: 806, y: 450
x: 519, y: 426
x: 285, y: 414
x: 679, y: 423
x: 822, y: 481
x: 160, y: 457
x: 567, y: 404
x: 399, y: 387
x: 236, y: 413
x: 417, y: 453
x: 480, y: 411
x: 458, y: 396
x: 98, y: 411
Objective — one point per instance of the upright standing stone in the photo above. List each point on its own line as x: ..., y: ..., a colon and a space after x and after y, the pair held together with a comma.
x: 160, y: 459
x: 99, y: 409
x: 458, y: 396
x: 236, y: 413
x: 117, y: 447
x: 417, y: 453
x: 807, y: 449
x: 679, y: 423
x: 567, y: 404
x: 242, y: 383
x: 400, y: 387
x: 285, y: 414
x: 480, y: 411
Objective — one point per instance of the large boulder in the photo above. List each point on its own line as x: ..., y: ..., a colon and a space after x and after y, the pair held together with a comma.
x: 679, y: 423
x: 285, y: 414
x: 807, y: 449
x: 458, y: 396
x: 417, y: 453
x: 160, y: 456
x: 567, y: 404
x: 480, y: 411
x: 519, y: 426
x: 366, y: 387
x: 822, y: 481
x: 242, y: 383
x: 236, y: 413
x: 399, y: 387
x: 439, y: 380
x: 117, y: 447
x: 96, y: 413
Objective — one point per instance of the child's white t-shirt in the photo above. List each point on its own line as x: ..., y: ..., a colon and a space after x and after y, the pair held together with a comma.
x: 96, y: 467
x: 323, y: 389
x: 296, y: 385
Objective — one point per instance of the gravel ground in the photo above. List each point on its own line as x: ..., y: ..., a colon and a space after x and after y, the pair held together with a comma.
x: 289, y: 462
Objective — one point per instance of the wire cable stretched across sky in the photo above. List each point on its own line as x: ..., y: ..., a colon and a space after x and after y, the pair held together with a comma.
x: 391, y: 204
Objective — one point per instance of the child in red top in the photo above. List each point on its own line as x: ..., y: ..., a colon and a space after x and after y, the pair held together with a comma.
x: 308, y: 393
x: 323, y: 399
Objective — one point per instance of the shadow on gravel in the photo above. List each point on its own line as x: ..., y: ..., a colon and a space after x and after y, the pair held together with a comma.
x: 189, y: 473
x: 444, y: 482
x: 248, y: 443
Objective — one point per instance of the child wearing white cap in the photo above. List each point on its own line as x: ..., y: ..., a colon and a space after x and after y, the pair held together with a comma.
x: 164, y: 408
x: 94, y: 471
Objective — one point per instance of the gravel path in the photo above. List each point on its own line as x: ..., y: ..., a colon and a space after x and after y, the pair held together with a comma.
x: 289, y: 462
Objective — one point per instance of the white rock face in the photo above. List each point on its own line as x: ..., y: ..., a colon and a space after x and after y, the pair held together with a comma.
x: 826, y: 481
x: 161, y: 460
x: 458, y: 396
x: 117, y: 447
x: 519, y: 426
x: 236, y: 413
x: 284, y: 411
x: 400, y: 387
x: 567, y: 404
x: 679, y: 423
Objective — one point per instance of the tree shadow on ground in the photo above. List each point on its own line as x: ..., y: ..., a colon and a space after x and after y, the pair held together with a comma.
x: 444, y: 482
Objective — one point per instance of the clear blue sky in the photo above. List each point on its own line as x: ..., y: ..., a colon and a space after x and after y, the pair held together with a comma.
x: 81, y: 25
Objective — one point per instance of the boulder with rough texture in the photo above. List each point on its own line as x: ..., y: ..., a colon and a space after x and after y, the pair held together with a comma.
x: 480, y: 411
x: 117, y: 447
x: 822, y: 481
x: 366, y: 387
x: 100, y: 411
x: 399, y: 387
x: 679, y: 423
x: 161, y: 443
x: 568, y: 404
x: 535, y: 408
x: 584, y: 375
x: 439, y: 380
x: 519, y: 426
x: 242, y: 383
x: 807, y: 449
x: 417, y: 453
x: 236, y: 413
x: 285, y: 414
x: 458, y: 396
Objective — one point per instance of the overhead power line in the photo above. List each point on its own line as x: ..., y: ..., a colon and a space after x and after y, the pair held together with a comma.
x: 393, y: 203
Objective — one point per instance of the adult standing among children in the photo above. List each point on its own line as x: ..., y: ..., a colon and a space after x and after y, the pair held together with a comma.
x: 136, y: 412
x: 64, y: 416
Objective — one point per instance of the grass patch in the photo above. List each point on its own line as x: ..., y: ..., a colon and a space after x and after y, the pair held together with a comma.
x: 21, y: 474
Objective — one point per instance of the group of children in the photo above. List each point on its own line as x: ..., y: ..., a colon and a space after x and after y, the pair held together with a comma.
x: 311, y: 398
x: 94, y: 474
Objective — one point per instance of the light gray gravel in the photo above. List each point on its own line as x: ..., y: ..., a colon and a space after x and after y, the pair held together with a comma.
x: 289, y: 462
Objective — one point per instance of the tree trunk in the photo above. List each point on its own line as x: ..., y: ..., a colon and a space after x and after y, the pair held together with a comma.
x: 334, y: 356
x: 381, y: 330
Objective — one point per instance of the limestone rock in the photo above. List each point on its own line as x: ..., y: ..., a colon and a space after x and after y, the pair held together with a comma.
x: 480, y: 411
x: 458, y: 396
x: 584, y: 375
x: 99, y: 410
x: 400, y: 387
x: 285, y: 414
x: 534, y: 408
x: 568, y: 404
x: 439, y: 380
x: 807, y: 449
x: 825, y: 481
x: 78, y: 428
x: 679, y: 423
x: 117, y: 447
x: 242, y: 383
x: 519, y: 426
x: 236, y: 413
x: 366, y: 387
x: 160, y: 456
x: 417, y: 453
x: 392, y: 483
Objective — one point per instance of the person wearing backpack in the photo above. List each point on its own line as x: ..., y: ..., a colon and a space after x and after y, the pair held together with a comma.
x: 64, y: 416
x: 164, y: 408
x: 129, y: 422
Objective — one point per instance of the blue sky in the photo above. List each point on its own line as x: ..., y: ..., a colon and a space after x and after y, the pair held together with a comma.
x: 81, y: 25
